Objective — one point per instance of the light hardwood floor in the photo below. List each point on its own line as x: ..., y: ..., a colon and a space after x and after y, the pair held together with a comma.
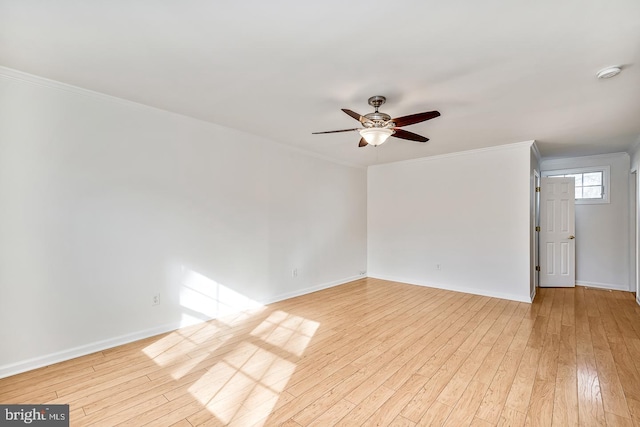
x: 369, y: 352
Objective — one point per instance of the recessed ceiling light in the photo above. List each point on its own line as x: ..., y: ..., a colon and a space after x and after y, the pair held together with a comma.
x: 607, y: 73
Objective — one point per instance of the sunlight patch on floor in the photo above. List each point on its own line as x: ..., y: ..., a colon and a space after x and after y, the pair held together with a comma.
x: 248, y: 374
x: 289, y: 332
x: 182, y: 346
x: 246, y: 384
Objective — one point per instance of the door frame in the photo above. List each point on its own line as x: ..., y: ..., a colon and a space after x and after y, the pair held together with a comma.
x: 634, y: 202
x: 536, y: 235
x: 557, y: 279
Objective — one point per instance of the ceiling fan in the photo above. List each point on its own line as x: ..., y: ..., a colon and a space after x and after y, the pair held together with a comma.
x: 378, y: 127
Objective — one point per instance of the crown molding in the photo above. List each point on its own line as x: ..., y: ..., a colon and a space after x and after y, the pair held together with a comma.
x: 536, y: 152
x: 505, y: 147
x: 563, y: 160
x: 21, y: 76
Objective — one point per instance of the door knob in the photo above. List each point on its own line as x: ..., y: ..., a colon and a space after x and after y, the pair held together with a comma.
x: 572, y: 237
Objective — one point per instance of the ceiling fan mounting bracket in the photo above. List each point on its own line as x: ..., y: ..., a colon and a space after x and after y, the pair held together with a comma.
x: 377, y: 118
x: 376, y: 101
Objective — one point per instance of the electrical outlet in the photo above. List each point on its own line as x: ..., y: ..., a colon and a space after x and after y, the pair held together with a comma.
x: 294, y: 272
x: 438, y: 266
x: 362, y: 272
x: 155, y: 300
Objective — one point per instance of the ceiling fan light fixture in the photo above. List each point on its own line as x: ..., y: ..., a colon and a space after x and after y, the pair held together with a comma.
x: 607, y: 73
x: 376, y: 136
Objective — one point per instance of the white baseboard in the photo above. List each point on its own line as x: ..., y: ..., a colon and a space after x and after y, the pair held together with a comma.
x: 311, y: 289
x: 638, y: 298
x: 83, y: 350
x: 474, y: 291
x: 602, y: 285
x: 533, y: 294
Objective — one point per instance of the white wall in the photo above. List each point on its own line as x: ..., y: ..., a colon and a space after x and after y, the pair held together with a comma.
x: 603, y: 235
x: 104, y: 203
x: 468, y: 212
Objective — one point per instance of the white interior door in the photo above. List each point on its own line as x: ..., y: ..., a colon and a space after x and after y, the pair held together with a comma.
x: 557, y: 232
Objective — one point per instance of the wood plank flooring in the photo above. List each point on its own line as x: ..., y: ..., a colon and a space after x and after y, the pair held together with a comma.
x: 369, y: 352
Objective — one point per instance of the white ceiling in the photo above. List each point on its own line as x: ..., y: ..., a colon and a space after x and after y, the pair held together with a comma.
x: 499, y: 71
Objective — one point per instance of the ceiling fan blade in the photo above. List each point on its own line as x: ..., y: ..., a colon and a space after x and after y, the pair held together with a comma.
x: 335, y: 131
x: 357, y: 116
x: 415, y: 118
x: 405, y: 134
x: 362, y: 143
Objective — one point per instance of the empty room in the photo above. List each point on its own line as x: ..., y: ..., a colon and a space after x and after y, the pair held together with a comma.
x: 317, y: 214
